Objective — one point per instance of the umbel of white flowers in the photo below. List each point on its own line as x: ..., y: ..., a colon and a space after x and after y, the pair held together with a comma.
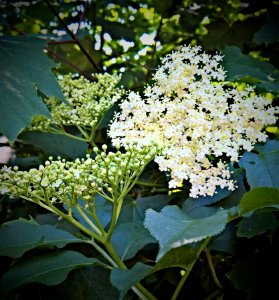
x: 192, y: 113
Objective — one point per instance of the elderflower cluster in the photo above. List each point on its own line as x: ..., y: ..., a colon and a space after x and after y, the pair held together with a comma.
x: 196, y: 119
x: 86, y: 102
x: 108, y: 174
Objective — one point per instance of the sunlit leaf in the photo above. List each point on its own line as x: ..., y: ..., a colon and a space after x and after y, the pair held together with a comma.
x: 258, y: 198
x: 262, y: 168
x: 173, y: 228
x: 240, y: 66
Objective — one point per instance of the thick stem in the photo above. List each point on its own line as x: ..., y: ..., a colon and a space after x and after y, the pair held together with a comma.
x: 144, y: 293
x: 188, y: 270
x: 115, y: 212
x: 180, y: 285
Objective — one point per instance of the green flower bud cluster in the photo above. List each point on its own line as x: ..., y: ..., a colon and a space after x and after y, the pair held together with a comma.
x: 86, y: 104
x: 108, y: 174
x: 115, y: 173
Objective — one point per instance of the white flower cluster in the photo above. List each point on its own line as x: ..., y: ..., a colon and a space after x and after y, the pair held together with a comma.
x: 108, y: 174
x: 196, y: 118
x: 87, y: 102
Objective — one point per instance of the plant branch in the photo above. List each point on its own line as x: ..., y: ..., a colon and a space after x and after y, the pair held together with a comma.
x: 144, y: 294
x: 154, y: 49
x: 212, y: 269
x: 73, y: 36
x: 87, y: 220
x: 189, y: 269
x: 60, y: 57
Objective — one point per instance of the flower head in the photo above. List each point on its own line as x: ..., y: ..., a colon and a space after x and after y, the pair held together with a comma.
x: 193, y: 115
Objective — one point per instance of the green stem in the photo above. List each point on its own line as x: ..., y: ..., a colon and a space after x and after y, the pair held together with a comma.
x: 38, y: 203
x: 104, y: 253
x: 180, y: 285
x: 212, y: 269
x: 83, y: 132
x: 96, y: 219
x: 143, y: 292
x: 189, y: 269
x: 76, y: 223
x: 143, y: 183
x: 115, y: 212
x: 87, y: 220
x: 56, y: 131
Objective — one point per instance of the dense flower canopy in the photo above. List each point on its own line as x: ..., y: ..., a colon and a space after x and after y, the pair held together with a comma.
x: 193, y: 114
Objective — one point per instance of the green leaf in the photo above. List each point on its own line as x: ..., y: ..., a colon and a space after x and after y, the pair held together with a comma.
x: 257, y: 224
x: 225, y: 241
x: 240, y: 66
x: 19, y: 236
x: 258, y: 198
x: 103, y: 210
x: 55, y: 144
x: 268, y: 33
x: 178, y: 257
x: 49, y: 269
x: 123, y: 280
x: 134, y: 210
x: 24, y: 69
x: 244, y: 275
x: 221, y: 33
x: 262, y: 169
x: 192, y: 204
x: 173, y: 228
x: 129, y: 238
x: 90, y: 283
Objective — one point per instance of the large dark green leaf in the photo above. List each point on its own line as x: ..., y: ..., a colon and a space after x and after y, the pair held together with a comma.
x: 180, y: 257
x: 49, y: 269
x: 262, y: 168
x: 123, y: 280
x: 268, y: 33
x: 173, y: 228
x: 244, y: 67
x: 220, y: 34
x: 129, y: 238
x: 258, y: 198
x: 134, y: 211
x: 90, y: 283
x: 55, y: 144
x: 19, y: 236
x: 192, y: 204
x: 257, y: 224
x: 24, y: 69
x: 225, y: 241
